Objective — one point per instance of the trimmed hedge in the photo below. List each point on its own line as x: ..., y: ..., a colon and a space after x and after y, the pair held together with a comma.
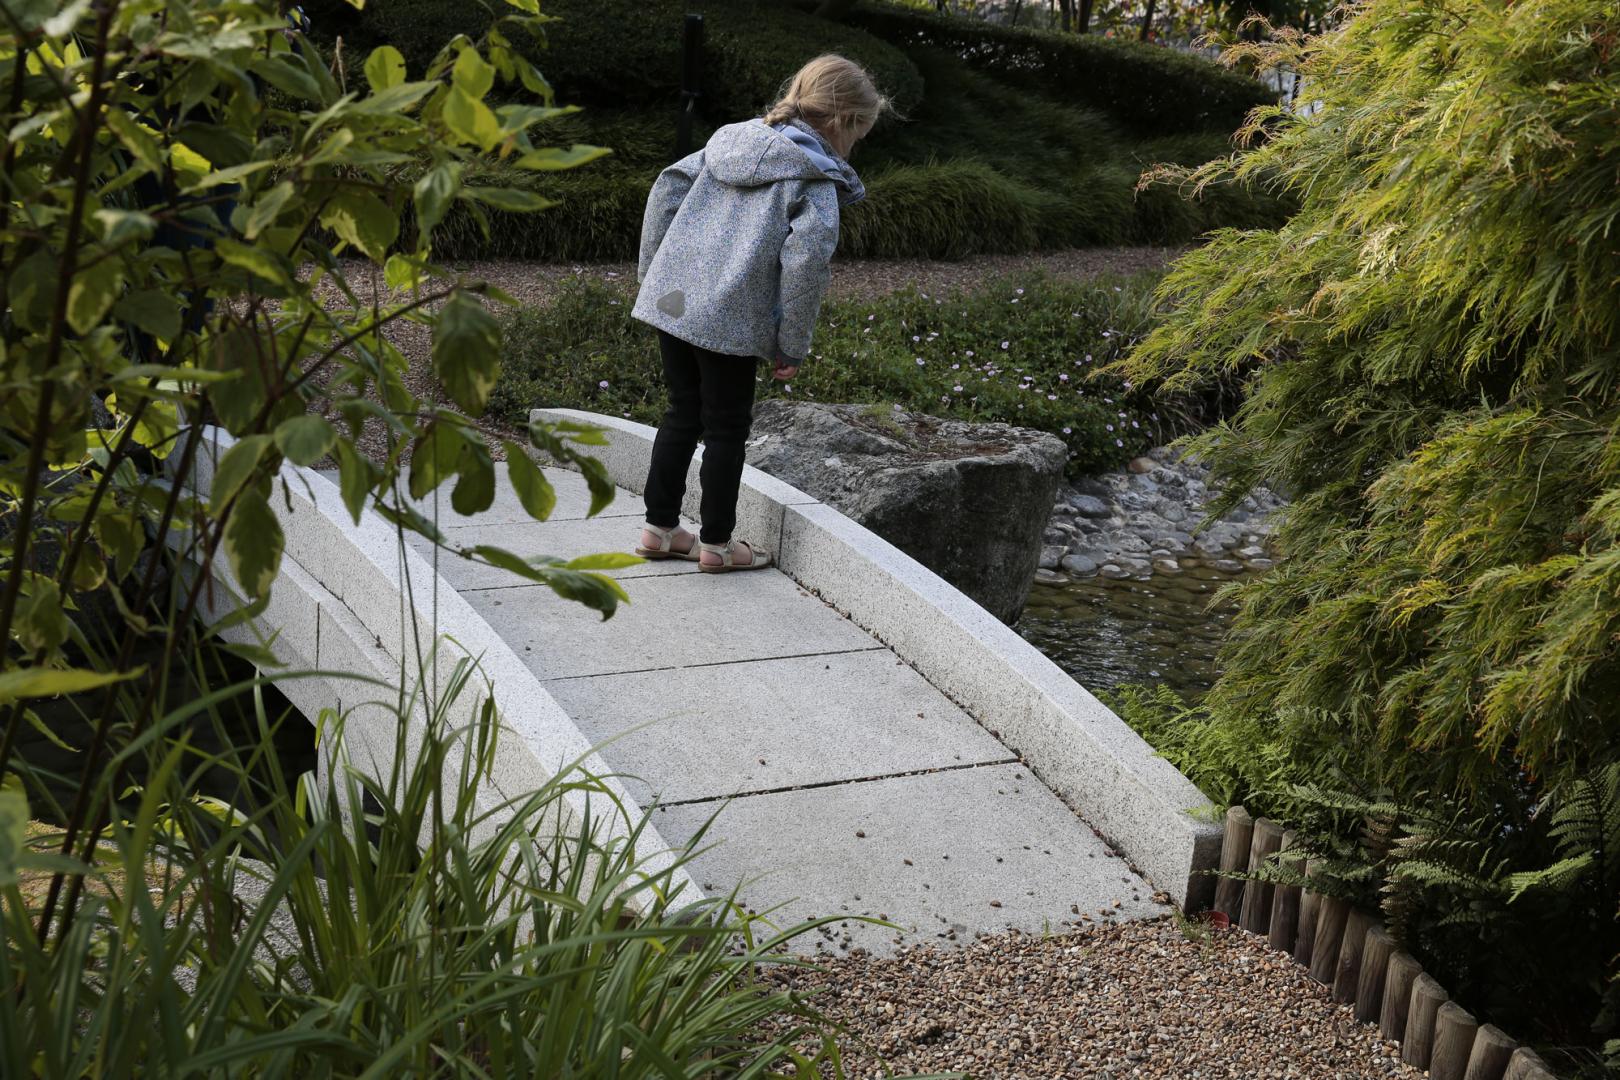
x: 615, y: 52
x: 979, y: 165
x: 1150, y: 88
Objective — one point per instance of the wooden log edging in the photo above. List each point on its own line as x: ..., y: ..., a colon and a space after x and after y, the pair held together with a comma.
x: 1352, y: 954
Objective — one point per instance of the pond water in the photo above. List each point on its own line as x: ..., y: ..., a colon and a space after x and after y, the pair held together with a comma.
x: 1109, y: 631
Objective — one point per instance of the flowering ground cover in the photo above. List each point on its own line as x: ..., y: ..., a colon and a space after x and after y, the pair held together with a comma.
x: 1021, y: 349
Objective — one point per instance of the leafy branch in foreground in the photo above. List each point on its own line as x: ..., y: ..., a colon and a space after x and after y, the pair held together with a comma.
x: 188, y: 188
x: 1431, y: 354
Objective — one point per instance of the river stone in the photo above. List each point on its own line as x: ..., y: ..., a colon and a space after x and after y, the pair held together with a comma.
x: 1087, y: 485
x: 1079, y: 564
x: 1227, y: 566
x: 1112, y: 571
x: 1050, y: 577
x: 1090, y: 506
x: 968, y: 501
x: 1051, y: 555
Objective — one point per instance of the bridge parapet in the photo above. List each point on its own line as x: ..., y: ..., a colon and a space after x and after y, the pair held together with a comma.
x: 354, y: 597
x: 1076, y: 745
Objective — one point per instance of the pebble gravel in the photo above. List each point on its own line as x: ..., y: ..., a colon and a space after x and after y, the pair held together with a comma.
x: 1159, y: 998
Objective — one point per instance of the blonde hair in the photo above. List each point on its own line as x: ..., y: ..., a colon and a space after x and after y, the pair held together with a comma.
x: 831, y: 92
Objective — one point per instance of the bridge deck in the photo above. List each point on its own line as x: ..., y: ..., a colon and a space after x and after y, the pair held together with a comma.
x: 843, y: 781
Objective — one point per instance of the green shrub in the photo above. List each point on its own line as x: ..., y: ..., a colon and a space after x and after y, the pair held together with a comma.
x: 584, y: 351
x: 615, y: 52
x: 1151, y: 89
x: 1432, y: 356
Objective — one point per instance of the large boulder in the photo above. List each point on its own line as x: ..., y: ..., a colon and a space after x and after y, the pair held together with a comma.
x: 968, y: 501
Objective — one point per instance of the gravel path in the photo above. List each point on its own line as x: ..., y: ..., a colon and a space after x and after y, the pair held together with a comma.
x: 535, y: 284
x: 532, y: 283
x: 1141, y: 999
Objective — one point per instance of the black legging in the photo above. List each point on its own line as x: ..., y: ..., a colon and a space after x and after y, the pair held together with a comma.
x: 711, y: 396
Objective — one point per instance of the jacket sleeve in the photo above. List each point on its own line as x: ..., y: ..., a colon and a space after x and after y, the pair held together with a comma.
x: 811, y: 239
x: 668, y: 192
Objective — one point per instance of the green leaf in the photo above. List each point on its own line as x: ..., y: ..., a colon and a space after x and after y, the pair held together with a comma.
x: 287, y: 73
x: 356, y: 478
x: 39, y: 622
x: 470, y: 120
x: 472, y: 75
x: 50, y: 682
x: 364, y: 221
x: 402, y: 272
x: 121, y: 536
x: 434, y: 457
x: 385, y: 68
x: 266, y: 209
x: 607, y: 560
x: 555, y: 158
x: 235, y: 469
x: 32, y: 719
x: 506, y: 560
x: 118, y: 226
x: 305, y: 439
x: 254, y: 543
x: 434, y: 192
x: 600, y: 483
x: 534, y: 491
x: 467, y: 351
x: 593, y: 590
x: 475, y: 485
x: 152, y: 310
x: 93, y: 293
x: 254, y: 259
x: 515, y: 200
x: 138, y: 140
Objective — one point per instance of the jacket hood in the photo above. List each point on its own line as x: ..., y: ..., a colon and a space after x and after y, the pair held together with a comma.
x: 753, y: 153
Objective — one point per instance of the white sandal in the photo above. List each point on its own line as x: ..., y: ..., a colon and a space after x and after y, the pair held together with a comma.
x: 666, y: 545
x: 727, y: 563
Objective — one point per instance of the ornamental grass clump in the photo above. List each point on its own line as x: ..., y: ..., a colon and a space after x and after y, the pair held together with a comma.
x: 417, y: 922
x: 1431, y: 349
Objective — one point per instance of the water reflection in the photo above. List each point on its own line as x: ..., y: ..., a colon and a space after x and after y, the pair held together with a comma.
x: 1162, y: 629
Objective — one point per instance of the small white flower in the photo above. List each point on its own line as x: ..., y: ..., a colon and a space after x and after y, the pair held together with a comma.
x: 1119, y: 442
x: 1004, y: 344
x: 1134, y: 424
x: 1110, y: 427
x: 1015, y: 299
x: 869, y: 318
x: 956, y: 367
x: 1020, y: 292
x: 921, y: 362
x: 957, y: 388
x: 603, y: 384
x: 1051, y: 397
x: 968, y: 353
x: 1064, y: 377
x: 1068, y: 431
x: 914, y: 337
x: 1088, y: 358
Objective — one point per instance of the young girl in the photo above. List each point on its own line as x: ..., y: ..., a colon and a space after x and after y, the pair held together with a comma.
x: 734, y: 254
